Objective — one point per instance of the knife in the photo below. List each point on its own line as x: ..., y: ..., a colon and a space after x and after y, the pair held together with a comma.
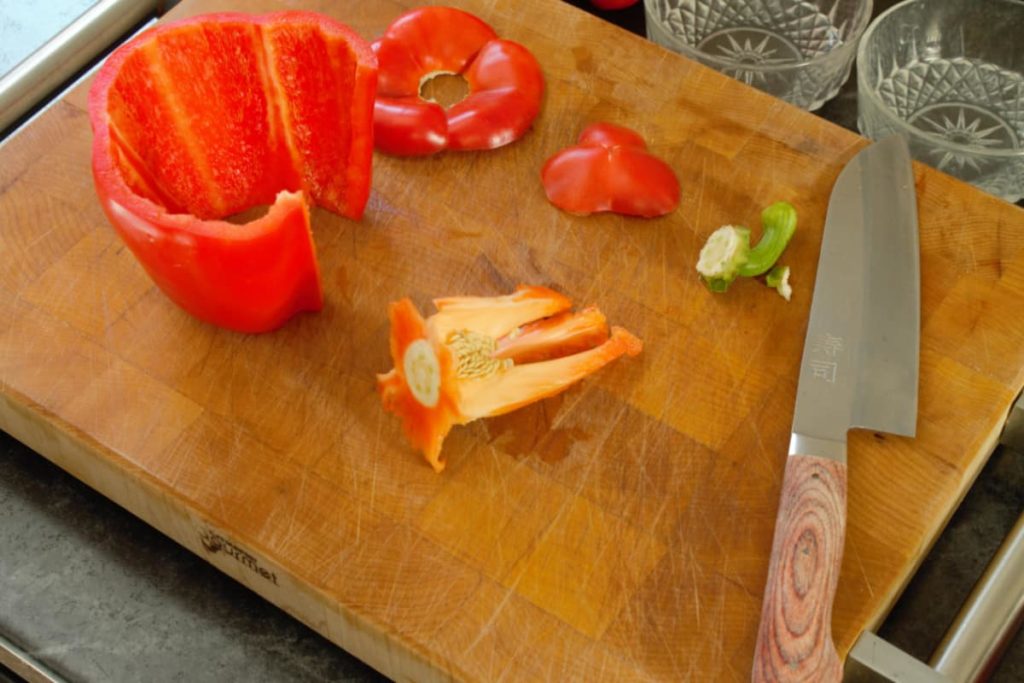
x: 859, y: 369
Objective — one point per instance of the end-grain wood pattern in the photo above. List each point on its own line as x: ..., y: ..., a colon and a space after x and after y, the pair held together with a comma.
x: 794, y: 640
x: 619, y: 531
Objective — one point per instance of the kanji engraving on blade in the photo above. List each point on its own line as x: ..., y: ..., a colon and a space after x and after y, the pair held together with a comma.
x: 828, y: 345
x: 825, y: 370
x: 826, y: 350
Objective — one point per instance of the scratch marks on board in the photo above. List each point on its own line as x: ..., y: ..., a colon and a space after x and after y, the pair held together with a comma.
x: 863, y: 571
x: 694, y: 568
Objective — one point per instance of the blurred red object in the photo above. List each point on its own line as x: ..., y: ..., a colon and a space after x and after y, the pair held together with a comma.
x: 613, y: 4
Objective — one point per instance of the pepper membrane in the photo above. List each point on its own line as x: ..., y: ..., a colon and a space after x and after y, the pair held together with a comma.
x: 202, y: 118
x: 484, y: 356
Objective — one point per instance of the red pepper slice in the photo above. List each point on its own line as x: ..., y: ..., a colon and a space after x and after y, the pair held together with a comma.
x: 483, y: 356
x: 610, y: 169
x: 505, y: 84
x: 202, y: 118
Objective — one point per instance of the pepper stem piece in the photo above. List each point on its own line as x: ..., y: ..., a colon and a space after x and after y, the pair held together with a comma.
x: 423, y: 372
x: 727, y: 254
x: 726, y: 250
x: 778, y: 279
x: 778, y: 222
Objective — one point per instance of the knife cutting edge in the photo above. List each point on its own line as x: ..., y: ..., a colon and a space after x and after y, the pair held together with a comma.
x: 859, y: 369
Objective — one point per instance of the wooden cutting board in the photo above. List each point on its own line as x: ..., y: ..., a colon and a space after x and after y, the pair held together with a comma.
x: 620, y: 531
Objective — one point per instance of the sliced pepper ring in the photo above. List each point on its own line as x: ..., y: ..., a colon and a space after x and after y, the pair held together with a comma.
x: 505, y: 84
x: 484, y: 356
x: 205, y: 117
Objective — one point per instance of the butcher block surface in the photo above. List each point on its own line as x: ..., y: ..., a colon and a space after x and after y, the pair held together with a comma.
x: 619, y: 531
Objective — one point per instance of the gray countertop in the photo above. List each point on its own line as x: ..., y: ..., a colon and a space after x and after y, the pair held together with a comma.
x: 94, y: 594
x: 23, y: 26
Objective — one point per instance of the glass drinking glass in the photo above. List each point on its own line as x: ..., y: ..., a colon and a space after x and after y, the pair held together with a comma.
x: 949, y: 76
x: 799, y: 50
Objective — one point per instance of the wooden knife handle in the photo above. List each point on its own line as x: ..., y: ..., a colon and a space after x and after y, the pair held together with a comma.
x: 794, y: 640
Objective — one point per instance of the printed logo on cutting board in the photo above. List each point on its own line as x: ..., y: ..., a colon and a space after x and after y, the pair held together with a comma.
x: 214, y: 543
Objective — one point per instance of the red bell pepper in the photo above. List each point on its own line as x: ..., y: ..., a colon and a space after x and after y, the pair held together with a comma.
x: 203, y: 118
x: 483, y: 356
x: 613, y: 4
x: 610, y: 169
x: 505, y: 84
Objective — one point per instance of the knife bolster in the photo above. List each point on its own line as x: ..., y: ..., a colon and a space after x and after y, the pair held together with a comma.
x: 801, y: 444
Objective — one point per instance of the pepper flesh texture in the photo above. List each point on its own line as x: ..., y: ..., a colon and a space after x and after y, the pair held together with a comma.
x: 610, y: 169
x: 202, y: 118
x: 560, y: 335
x: 505, y: 84
x: 562, y: 348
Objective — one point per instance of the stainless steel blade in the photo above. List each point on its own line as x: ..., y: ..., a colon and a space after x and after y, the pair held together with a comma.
x: 860, y: 360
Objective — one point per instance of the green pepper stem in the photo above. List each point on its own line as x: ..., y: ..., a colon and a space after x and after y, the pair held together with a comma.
x: 778, y: 279
x: 722, y: 255
x: 779, y: 224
